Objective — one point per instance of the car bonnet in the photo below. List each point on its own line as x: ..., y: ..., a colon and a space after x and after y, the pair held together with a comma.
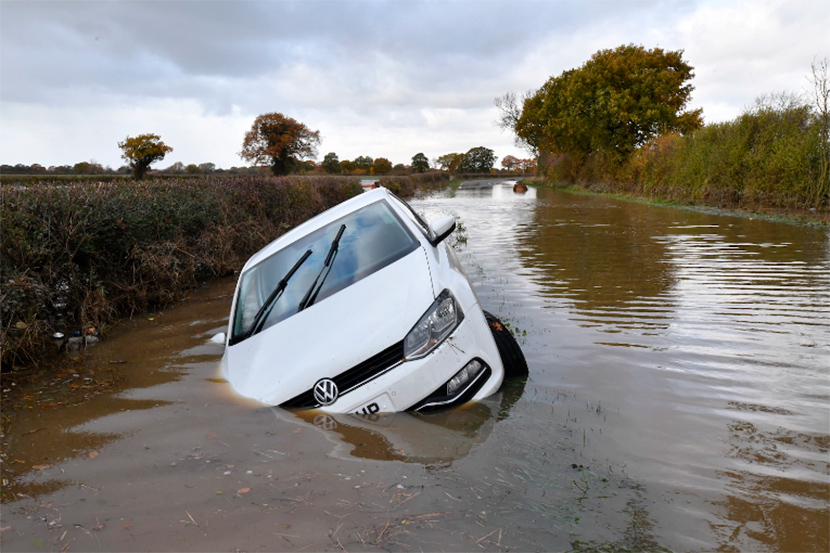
x: 333, y: 335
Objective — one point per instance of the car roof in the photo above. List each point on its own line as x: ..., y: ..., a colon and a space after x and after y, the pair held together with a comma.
x: 319, y: 221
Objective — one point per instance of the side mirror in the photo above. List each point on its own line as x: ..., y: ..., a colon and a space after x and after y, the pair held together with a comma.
x: 441, y: 228
x: 218, y: 338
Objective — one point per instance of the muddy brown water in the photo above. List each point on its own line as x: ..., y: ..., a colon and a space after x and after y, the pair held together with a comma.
x: 678, y: 399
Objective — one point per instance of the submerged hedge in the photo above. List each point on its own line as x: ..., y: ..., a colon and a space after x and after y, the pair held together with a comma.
x: 78, y: 256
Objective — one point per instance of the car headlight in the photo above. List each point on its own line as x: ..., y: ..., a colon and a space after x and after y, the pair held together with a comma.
x: 437, y: 323
x: 464, y: 376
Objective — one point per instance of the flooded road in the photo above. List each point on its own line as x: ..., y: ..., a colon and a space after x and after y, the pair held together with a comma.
x: 678, y: 399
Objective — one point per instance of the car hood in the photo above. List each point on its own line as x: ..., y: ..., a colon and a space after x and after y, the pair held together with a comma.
x: 331, y: 336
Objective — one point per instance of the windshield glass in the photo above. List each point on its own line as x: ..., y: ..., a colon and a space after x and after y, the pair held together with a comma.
x: 412, y: 214
x: 374, y: 237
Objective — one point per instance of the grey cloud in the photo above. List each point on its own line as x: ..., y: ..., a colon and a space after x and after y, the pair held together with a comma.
x: 146, y: 48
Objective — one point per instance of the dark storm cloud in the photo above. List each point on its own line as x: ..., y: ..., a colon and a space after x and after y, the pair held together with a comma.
x: 380, y: 78
x: 75, y: 52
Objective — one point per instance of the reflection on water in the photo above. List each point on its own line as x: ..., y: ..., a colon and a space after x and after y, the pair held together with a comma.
x: 707, y: 336
x: 439, y: 437
x: 410, y: 438
x: 145, y: 354
x: 599, y: 256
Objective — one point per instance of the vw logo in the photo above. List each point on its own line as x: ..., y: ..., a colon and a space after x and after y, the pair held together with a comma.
x: 325, y: 391
x: 326, y: 422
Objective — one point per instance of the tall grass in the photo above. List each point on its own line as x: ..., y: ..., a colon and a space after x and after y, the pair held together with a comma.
x: 76, y: 256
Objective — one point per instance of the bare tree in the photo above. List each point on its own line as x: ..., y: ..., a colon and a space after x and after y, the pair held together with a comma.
x: 821, y: 92
x: 511, y: 111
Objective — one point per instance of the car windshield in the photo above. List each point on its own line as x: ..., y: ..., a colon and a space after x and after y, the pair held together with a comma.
x: 373, y: 238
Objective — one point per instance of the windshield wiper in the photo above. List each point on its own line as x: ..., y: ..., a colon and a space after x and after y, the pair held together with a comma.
x: 271, y: 300
x: 311, y: 295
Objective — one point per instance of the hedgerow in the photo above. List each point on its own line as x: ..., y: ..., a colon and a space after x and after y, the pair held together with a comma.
x: 76, y: 256
x: 406, y: 185
x: 771, y: 157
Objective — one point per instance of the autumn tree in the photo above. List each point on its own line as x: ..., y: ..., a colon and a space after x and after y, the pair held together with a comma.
x: 382, y: 166
x: 527, y: 166
x: 420, y: 163
x: 331, y: 163
x: 87, y: 168
x: 477, y: 160
x: 450, y: 162
x: 347, y: 166
x: 510, y: 162
x: 616, y: 102
x: 142, y: 151
x: 279, y: 142
x: 363, y: 163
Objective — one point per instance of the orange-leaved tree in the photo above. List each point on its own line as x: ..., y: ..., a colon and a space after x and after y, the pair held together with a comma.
x: 142, y: 151
x: 280, y: 142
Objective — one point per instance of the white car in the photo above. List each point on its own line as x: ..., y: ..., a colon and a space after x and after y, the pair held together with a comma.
x: 364, y: 309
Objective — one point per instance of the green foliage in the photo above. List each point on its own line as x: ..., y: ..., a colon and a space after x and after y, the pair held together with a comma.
x: 363, y: 163
x: 420, y: 163
x: 616, y: 102
x: 331, y: 164
x: 142, y: 151
x: 770, y: 156
x: 450, y: 162
x: 347, y: 166
x: 477, y: 160
x: 77, y: 256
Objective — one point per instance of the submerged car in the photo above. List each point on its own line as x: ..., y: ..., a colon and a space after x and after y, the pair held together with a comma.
x: 364, y: 309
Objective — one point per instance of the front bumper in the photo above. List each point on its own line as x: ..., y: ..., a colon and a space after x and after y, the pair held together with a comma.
x: 387, y: 383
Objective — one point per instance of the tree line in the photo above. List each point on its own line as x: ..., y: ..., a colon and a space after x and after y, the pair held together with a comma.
x: 281, y: 145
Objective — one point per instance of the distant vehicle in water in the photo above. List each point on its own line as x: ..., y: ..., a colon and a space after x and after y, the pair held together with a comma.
x: 369, y: 184
x: 364, y: 309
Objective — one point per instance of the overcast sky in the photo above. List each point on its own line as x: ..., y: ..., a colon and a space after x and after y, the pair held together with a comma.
x: 378, y: 78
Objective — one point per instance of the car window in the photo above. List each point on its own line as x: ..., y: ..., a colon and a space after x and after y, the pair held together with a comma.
x: 374, y: 238
x: 412, y: 214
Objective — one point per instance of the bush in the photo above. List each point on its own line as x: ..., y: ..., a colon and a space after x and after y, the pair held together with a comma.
x: 769, y: 157
x: 406, y: 186
x: 76, y: 256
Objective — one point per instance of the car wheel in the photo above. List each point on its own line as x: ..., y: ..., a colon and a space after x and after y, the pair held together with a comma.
x: 511, y: 354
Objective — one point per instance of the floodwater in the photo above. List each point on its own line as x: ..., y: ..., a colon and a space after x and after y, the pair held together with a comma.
x: 678, y: 399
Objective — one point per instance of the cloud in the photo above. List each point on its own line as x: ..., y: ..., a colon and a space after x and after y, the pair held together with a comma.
x: 744, y: 49
x: 379, y: 78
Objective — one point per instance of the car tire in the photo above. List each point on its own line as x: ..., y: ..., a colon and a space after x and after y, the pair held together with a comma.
x: 511, y: 354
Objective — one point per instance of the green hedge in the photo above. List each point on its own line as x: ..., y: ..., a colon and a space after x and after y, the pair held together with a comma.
x: 76, y: 256
x: 769, y: 157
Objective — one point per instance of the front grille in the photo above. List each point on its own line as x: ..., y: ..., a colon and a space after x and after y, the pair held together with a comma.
x: 357, y: 376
